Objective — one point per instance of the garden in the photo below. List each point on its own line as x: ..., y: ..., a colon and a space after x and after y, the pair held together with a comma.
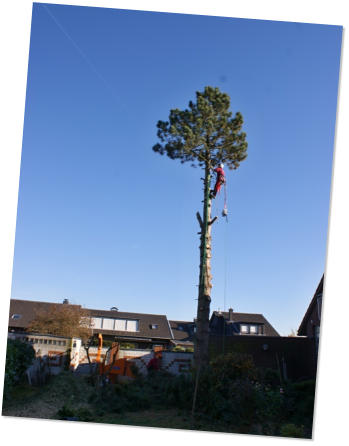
x: 232, y: 396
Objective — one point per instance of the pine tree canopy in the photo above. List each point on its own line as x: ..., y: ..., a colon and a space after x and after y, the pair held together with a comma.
x: 205, y: 133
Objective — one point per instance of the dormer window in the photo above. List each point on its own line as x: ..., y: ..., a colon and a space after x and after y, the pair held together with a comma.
x: 16, y: 316
x: 107, y: 323
x: 250, y: 329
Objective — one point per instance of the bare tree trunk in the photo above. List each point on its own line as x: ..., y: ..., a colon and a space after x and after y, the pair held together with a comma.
x: 201, y: 356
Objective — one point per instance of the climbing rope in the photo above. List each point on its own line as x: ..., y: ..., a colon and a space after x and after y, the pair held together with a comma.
x: 225, y: 209
x: 225, y: 279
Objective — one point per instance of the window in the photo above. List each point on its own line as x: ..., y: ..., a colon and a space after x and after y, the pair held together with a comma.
x: 244, y: 328
x: 108, y: 324
x: 133, y: 325
x: 16, y: 316
x: 96, y: 322
x: 154, y: 326
x: 253, y: 329
x: 120, y: 324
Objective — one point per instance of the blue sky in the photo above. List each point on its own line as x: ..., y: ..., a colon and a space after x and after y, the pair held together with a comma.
x: 103, y: 220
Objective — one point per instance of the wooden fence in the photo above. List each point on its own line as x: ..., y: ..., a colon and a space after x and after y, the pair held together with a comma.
x: 294, y: 357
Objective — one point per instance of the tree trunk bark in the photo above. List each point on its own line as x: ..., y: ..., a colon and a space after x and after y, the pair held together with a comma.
x: 201, y: 356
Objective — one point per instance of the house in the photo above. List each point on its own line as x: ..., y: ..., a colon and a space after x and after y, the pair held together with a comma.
x: 142, y: 330
x: 183, y: 333
x: 310, y: 325
x: 231, y: 323
x: 22, y: 312
x: 145, y: 331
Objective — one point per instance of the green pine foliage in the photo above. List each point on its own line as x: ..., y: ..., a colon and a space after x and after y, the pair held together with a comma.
x: 204, y: 133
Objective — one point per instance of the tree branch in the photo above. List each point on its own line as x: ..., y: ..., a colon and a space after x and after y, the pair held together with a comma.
x: 212, y: 221
x: 198, y: 216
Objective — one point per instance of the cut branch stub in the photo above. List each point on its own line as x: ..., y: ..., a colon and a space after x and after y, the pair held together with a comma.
x: 213, y: 220
x: 198, y: 216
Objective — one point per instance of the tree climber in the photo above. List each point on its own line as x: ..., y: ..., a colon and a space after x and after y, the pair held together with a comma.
x: 220, y: 179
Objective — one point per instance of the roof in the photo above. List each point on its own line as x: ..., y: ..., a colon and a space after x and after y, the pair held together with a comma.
x: 27, y: 310
x: 248, y: 318
x: 182, y: 331
x: 319, y: 290
x: 145, y: 323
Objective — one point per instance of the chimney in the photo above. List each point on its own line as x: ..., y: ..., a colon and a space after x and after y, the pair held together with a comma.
x: 66, y: 301
x: 231, y: 314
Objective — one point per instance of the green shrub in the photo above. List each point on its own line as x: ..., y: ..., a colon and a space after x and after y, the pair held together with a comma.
x: 127, y: 345
x: 226, y: 389
x: 65, y: 412
x: 84, y: 414
x: 231, y: 394
x: 268, y: 377
x: 157, y: 390
x: 299, y: 404
x: 291, y: 430
x: 19, y: 356
x: 80, y: 414
x: 270, y: 405
x: 178, y: 348
x: 118, y: 398
x: 233, y: 366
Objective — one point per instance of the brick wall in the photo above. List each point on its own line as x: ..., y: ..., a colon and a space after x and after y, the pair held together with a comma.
x: 172, y: 362
x: 176, y: 362
x: 142, y: 362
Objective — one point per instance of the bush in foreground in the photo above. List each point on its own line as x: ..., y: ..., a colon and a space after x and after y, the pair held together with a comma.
x: 19, y: 356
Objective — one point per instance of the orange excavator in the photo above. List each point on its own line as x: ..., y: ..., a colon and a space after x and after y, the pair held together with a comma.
x: 112, y: 367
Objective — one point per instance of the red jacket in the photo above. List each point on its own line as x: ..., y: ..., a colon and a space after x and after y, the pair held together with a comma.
x: 220, y: 173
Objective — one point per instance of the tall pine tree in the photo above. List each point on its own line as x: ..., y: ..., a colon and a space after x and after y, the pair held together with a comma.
x: 205, y: 134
